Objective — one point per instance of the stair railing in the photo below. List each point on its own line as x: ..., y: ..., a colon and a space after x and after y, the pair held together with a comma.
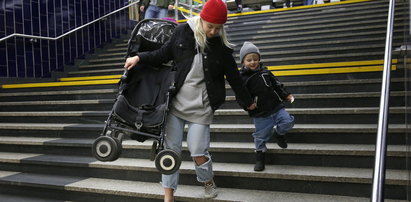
x: 189, y: 5
x: 34, y: 37
x: 381, y: 143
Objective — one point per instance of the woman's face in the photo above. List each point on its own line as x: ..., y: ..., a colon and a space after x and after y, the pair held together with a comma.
x: 211, y: 29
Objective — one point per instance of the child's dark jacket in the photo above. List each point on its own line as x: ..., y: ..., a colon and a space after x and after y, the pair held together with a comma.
x: 266, y: 89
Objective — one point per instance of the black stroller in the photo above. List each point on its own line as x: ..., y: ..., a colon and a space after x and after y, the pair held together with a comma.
x: 141, y: 106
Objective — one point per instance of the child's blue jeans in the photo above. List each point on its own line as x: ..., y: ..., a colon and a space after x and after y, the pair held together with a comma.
x: 198, y: 142
x: 280, y: 122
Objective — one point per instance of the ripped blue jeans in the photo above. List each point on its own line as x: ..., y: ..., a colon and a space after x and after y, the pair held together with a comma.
x: 198, y: 142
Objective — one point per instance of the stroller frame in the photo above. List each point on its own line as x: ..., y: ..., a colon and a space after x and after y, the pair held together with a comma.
x: 108, y: 146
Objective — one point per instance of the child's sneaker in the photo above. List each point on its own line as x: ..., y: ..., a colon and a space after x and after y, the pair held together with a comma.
x: 210, y: 190
x: 281, y: 140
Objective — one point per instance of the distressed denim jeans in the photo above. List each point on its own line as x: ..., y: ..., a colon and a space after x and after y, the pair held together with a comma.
x: 198, y: 142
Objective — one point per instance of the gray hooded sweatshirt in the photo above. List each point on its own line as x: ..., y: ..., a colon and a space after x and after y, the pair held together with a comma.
x: 191, y: 103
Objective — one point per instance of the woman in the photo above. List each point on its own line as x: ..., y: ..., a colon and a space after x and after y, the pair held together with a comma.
x: 202, y: 59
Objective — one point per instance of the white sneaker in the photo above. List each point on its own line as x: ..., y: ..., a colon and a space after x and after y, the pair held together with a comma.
x: 210, y: 190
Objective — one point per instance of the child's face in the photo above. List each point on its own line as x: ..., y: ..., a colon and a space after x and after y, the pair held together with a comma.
x: 252, y: 61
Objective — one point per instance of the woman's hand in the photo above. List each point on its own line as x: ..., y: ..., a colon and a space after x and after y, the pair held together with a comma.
x: 252, y: 106
x: 131, y: 62
x: 290, y: 98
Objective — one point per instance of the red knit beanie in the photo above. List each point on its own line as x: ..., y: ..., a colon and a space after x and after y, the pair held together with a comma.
x: 214, y: 11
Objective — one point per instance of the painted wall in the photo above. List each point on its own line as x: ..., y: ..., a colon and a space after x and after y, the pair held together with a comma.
x: 27, y: 58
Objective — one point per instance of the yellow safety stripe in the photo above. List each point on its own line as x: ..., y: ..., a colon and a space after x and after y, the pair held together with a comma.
x: 331, y: 70
x: 59, y: 84
x: 331, y: 64
x: 283, y: 9
x: 89, y: 78
x: 282, y: 70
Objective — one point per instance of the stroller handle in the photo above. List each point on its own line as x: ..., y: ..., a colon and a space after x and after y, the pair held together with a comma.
x: 124, y: 76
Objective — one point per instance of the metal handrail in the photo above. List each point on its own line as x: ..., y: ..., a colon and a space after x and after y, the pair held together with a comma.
x: 189, y: 5
x: 67, y: 33
x: 381, y: 144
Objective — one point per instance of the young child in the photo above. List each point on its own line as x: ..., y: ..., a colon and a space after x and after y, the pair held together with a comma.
x: 270, y: 117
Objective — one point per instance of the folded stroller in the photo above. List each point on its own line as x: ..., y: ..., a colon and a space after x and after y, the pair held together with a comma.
x: 140, y: 109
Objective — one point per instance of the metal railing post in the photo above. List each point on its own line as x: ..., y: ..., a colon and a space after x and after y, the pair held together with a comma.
x: 381, y: 143
x: 176, y: 10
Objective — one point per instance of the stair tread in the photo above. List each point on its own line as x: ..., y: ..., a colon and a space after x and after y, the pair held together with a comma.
x: 154, y: 190
x: 219, y: 112
x: 214, y: 127
x: 19, y: 198
x: 290, y: 172
x: 59, y: 92
x: 241, y: 147
x: 228, y: 98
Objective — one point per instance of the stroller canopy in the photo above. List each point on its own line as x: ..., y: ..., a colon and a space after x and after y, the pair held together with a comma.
x: 149, y: 34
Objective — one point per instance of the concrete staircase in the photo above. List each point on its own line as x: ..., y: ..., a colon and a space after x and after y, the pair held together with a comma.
x: 47, y: 131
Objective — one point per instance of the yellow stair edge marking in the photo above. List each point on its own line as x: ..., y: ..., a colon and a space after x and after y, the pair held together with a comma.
x: 282, y: 9
x: 89, y: 78
x: 331, y: 64
x: 57, y: 84
x: 331, y: 70
x: 198, y: 1
x: 297, y: 7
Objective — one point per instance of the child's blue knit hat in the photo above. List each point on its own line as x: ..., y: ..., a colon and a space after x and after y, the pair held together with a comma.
x: 248, y: 48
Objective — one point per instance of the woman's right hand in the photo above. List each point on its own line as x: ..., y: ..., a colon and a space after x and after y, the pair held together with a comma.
x: 131, y: 62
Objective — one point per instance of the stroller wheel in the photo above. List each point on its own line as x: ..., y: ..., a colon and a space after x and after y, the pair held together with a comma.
x: 167, y: 161
x: 118, y: 137
x: 153, y: 151
x: 105, y: 149
x: 119, y: 148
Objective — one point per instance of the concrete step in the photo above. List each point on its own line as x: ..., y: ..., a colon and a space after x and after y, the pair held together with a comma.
x: 357, y: 99
x: 33, y: 94
x: 275, y: 49
x: 312, y: 154
x: 366, y: 115
x: 301, y: 133
x: 7, y: 197
x: 299, y: 79
x: 59, y: 86
x: 320, y: 20
x: 326, y: 179
x: 315, y: 100
x: 75, y: 188
x: 337, y: 12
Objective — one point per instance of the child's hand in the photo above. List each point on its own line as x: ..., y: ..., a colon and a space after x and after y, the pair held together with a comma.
x: 252, y: 106
x: 290, y: 98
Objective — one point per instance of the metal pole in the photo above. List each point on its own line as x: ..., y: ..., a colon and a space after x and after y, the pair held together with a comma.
x: 176, y: 10
x: 381, y: 144
x: 191, y: 8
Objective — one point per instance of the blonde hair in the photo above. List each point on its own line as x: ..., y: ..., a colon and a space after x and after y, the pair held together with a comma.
x: 201, y: 38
